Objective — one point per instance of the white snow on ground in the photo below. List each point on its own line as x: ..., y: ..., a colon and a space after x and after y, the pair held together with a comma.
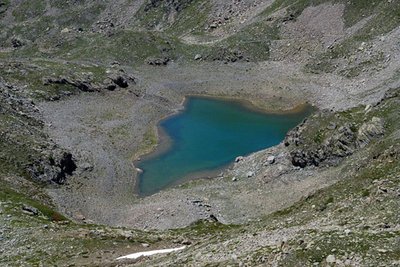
x: 149, y: 253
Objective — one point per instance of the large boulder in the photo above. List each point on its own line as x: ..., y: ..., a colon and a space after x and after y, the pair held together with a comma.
x: 120, y: 78
x: 53, y: 169
x: 370, y: 130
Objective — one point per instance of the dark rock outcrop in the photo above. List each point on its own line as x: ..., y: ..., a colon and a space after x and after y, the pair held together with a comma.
x: 16, y: 42
x: 158, y: 61
x: 67, y: 167
x: 120, y: 78
x: 115, y: 78
x: 55, y: 169
x: 341, y: 143
x: 82, y: 84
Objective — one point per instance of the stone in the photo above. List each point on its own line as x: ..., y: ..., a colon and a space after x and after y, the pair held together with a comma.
x: 331, y: 126
x: 370, y: 130
x: 30, y: 210
x: 158, y: 61
x: 330, y: 259
x: 86, y: 166
x: 16, y: 43
x: 250, y: 174
x: 271, y: 160
x: 197, y: 57
x: 145, y: 245
x: 120, y: 78
x: 239, y: 159
x: 65, y: 30
x: 109, y: 85
x: 186, y: 242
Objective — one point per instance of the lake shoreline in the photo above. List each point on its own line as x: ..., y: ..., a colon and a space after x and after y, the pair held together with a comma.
x: 86, y: 125
x: 164, y: 141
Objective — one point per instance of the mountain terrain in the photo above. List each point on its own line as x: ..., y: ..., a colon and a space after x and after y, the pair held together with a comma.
x: 83, y: 84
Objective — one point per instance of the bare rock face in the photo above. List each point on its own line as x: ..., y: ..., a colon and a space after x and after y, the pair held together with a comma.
x: 340, y: 143
x: 55, y: 169
x: 370, y: 130
x: 120, y: 78
x: 82, y: 83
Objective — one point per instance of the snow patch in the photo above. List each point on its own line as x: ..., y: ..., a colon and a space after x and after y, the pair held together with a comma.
x: 149, y: 253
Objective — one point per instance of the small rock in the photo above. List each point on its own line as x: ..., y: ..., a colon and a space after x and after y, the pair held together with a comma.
x: 186, y: 242
x: 250, y: 174
x: 30, y: 210
x: 86, y: 166
x: 197, y: 57
x: 330, y: 259
x: 158, y: 61
x: 331, y: 126
x: 271, y: 160
x: 238, y: 159
x: 145, y: 245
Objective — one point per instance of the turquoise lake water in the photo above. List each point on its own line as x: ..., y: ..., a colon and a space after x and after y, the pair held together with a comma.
x: 208, y: 135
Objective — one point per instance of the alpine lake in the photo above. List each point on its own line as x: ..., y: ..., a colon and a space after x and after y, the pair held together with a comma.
x: 207, y: 136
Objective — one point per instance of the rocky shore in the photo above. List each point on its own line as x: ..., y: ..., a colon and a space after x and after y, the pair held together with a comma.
x: 104, y: 132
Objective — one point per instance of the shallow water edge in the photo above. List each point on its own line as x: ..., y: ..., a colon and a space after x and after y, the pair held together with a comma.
x: 164, y: 141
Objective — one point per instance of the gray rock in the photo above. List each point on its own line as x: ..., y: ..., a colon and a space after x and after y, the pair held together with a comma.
x: 271, y: 160
x: 250, y: 174
x: 197, y: 57
x: 370, y: 130
x: 120, y: 78
x: 158, y: 61
x: 30, y: 210
x: 238, y: 159
x: 330, y: 259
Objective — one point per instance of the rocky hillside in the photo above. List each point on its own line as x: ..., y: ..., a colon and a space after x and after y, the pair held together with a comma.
x: 84, y: 83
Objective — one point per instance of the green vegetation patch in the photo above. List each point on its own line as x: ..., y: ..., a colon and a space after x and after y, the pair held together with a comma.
x: 29, y: 9
x: 174, y: 17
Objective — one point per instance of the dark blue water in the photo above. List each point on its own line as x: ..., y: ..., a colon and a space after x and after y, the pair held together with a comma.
x: 208, y: 135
